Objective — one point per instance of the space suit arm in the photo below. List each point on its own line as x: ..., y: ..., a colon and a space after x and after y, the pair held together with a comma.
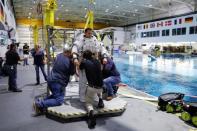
x: 104, y: 51
x: 75, y: 51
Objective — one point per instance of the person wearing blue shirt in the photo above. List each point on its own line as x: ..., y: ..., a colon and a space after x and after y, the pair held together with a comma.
x: 111, y: 77
x: 38, y: 55
x: 57, y: 81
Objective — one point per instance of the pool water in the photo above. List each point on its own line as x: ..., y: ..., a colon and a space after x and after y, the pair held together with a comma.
x: 168, y: 73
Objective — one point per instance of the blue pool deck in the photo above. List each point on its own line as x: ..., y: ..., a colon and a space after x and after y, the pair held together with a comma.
x: 140, y: 115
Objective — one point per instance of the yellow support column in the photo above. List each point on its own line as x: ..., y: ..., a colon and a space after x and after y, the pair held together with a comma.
x: 49, y: 12
x: 35, y: 35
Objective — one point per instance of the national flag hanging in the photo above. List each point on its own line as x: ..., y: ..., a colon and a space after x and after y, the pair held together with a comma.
x: 189, y: 20
x: 139, y: 27
x: 152, y: 25
x: 175, y: 22
x: 168, y: 23
x: 180, y: 21
x: 160, y: 24
x: 145, y: 26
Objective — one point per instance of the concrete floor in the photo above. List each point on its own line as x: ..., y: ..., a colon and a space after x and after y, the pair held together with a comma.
x: 16, y: 111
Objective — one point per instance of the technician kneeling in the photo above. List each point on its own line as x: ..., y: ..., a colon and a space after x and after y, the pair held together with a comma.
x: 57, y: 81
x: 95, y: 84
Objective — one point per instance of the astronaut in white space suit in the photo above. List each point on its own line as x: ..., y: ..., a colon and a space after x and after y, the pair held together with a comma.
x: 86, y: 42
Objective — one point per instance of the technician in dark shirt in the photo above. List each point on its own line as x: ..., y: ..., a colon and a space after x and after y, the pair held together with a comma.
x: 12, y: 59
x: 111, y: 77
x: 26, y: 54
x: 57, y: 82
x: 93, y: 72
x: 38, y: 55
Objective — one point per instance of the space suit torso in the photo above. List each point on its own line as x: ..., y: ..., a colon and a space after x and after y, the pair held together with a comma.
x: 78, y: 48
x: 91, y: 44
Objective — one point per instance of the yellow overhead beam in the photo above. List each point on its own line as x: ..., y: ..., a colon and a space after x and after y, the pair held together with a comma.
x: 59, y: 24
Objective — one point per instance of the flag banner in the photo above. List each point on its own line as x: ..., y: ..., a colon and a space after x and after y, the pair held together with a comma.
x: 175, y: 22
x: 168, y: 23
x: 160, y: 24
x: 145, y: 26
x: 139, y: 27
x: 189, y: 20
x: 152, y: 25
x: 180, y: 21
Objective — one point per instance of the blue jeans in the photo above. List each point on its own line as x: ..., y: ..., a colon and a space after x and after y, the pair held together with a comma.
x: 12, y: 75
x: 57, y: 97
x: 37, y: 73
x: 110, y: 82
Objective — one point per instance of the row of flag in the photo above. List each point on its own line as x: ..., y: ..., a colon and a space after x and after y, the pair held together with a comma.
x: 166, y: 23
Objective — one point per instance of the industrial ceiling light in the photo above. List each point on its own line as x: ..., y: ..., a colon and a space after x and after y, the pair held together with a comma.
x: 29, y: 17
x: 130, y: 1
x: 62, y: 5
x: 136, y: 10
x: 29, y: 13
x: 134, y: 15
x: 117, y: 6
x: 66, y: 10
x: 150, y: 5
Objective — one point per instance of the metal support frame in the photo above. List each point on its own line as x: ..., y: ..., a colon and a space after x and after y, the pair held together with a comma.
x: 50, y: 35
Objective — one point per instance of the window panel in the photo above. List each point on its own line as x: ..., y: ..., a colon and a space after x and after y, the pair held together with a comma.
x: 191, y: 30
x: 173, y: 32
x: 179, y: 31
x: 183, y: 32
x: 167, y: 32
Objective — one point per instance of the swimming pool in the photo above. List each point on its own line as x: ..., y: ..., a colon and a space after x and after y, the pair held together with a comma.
x: 168, y: 73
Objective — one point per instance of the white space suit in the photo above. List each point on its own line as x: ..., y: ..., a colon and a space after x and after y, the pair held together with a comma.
x: 81, y: 45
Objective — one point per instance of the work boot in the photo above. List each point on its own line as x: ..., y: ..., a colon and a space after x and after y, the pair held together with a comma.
x: 38, y: 111
x: 100, y: 103
x: 38, y: 83
x: 91, y: 120
x: 17, y: 90
x: 109, y: 98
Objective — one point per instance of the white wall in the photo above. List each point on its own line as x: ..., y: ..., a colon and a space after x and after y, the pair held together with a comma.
x: 119, y: 37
